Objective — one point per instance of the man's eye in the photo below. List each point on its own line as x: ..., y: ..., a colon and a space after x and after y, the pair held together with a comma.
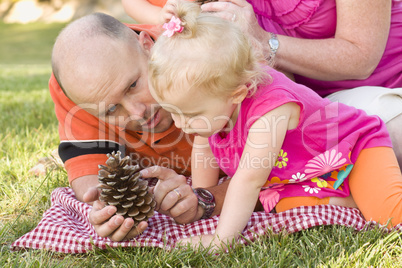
x: 112, y: 109
x: 134, y: 84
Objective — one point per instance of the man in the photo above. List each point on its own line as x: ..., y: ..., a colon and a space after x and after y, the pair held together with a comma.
x: 102, y: 101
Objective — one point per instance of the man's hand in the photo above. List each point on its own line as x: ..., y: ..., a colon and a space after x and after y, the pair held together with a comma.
x: 174, y: 197
x: 106, y: 225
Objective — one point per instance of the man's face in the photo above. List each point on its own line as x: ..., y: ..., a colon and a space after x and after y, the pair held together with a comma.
x: 112, y: 84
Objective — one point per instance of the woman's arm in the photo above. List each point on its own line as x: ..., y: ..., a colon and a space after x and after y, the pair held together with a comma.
x: 361, y: 35
x: 355, y: 51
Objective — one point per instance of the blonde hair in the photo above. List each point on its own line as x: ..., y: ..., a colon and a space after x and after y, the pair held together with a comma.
x: 210, y: 54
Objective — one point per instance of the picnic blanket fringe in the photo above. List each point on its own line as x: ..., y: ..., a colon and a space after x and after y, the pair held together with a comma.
x: 65, y: 228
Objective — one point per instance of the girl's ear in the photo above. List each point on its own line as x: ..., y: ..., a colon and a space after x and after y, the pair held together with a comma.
x: 239, y: 94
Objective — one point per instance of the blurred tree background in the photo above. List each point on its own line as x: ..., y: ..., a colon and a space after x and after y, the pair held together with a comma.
x: 49, y: 11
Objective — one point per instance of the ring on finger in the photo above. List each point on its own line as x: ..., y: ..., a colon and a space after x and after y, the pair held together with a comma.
x: 178, y: 194
x: 234, y: 17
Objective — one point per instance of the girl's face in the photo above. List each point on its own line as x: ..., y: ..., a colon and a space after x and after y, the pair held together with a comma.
x: 198, y: 113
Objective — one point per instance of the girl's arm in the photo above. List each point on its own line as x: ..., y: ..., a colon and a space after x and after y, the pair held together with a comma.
x: 204, y: 168
x: 361, y: 35
x: 264, y: 142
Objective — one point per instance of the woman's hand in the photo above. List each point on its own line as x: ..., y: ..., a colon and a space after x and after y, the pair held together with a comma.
x: 242, y: 14
x: 168, y: 11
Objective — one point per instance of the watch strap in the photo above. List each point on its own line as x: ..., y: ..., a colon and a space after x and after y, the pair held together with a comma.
x: 206, y: 200
x: 273, y: 48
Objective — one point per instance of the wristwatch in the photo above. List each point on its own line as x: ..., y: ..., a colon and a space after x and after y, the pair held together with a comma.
x: 273, y: 46
x: 206, y: 200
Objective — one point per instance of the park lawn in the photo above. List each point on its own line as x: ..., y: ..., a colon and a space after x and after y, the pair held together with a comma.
x: 29, y: 132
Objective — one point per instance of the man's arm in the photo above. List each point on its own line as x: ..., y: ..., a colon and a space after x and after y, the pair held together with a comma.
x: 82, y: 185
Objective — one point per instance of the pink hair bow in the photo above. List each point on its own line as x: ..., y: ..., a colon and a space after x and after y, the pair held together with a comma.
x: 173, y: 26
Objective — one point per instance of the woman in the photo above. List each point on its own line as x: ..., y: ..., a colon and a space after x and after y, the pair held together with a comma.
x: 334, y: 47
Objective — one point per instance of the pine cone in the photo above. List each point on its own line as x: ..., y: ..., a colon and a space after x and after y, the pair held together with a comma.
x: 122, y: 187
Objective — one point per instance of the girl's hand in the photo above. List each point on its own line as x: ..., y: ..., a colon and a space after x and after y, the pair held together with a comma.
x: 210, y: 242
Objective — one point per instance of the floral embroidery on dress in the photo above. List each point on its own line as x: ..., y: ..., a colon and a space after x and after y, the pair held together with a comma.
x: 311, y: 190
x: 282, y: 159
x: 342, y: 174
x: 298, y: 177
x: 270, y: 197
x: 332, y: 179
x: 320, y: 182
x: 274, y: 181
x: 324, y: 163
x: 326, y: 175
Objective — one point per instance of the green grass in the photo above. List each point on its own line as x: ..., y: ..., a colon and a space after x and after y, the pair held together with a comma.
x: 29, y: 131
x: 27, y: 43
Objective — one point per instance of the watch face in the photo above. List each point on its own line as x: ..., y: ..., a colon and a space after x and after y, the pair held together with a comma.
x: 274, y: 43
x: 205, y: 195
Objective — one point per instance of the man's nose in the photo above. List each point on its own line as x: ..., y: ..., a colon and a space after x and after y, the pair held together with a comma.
x: 135, y: 110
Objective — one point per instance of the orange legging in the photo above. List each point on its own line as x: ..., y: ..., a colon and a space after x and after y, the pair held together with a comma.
x: 375, y: 185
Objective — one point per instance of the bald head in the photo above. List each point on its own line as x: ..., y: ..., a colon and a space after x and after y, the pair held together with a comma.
x: 83, y: 44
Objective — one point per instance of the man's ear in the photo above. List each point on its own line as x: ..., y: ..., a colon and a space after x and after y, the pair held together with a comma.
x: 240, y: 94
x: 146, y: 41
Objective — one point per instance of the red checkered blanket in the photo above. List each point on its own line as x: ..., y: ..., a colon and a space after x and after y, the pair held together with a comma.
x: 65, y: 227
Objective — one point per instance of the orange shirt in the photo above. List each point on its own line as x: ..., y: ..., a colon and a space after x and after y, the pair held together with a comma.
x: 85, y: 140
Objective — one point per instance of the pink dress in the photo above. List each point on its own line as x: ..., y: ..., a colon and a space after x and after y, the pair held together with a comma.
x: 316, y: 157
x: 316, y: 19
